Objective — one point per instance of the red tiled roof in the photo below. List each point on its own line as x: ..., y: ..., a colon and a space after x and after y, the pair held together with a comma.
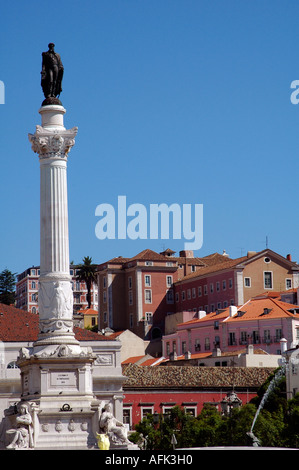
x: 88, y: 311
x: 254, y: 309
x: 20, y: 325
x: 230, y: 263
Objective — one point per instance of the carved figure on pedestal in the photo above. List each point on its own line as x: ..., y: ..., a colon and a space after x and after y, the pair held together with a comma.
x: 51, y: 75
x: 109, y: 425
x: 23, y: 434
x: 58, y: 298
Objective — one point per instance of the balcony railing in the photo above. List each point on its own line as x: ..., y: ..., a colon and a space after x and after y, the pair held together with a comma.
x: 259, y: 340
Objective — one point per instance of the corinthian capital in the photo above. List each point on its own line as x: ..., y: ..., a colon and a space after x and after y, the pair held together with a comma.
x: 49, y: 143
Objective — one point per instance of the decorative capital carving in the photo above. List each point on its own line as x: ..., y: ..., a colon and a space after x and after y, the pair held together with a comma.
x: 52, y: 143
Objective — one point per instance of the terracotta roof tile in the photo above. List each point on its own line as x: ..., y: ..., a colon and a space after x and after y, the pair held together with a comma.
x: 20, y: 325
x: 180, y: 377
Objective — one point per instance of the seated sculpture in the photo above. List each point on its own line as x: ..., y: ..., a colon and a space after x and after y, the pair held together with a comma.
x: 23, y: 433
x: 113, y: 428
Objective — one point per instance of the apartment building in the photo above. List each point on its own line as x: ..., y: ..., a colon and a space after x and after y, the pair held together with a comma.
x: 262, y: 322
x: 136, y: 293
x: 27, y: 290
x: 224, y: 281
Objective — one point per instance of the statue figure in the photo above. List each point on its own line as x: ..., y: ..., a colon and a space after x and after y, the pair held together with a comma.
x: 23, y: 434
x: 109, y: 425
x: 51, y: 75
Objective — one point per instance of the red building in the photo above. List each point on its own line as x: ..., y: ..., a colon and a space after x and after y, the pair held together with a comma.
x: 157, y: 389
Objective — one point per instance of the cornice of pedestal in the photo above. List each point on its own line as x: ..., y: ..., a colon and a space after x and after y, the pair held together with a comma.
x: 49, y: 143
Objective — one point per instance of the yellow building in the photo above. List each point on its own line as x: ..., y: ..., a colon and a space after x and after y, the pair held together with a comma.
x: 90, y: 317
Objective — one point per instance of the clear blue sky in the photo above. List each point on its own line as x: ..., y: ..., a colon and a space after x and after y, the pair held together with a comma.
x: 176, y: 101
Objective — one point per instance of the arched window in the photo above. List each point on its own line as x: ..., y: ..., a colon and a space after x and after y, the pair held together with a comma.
x: 12, y: 365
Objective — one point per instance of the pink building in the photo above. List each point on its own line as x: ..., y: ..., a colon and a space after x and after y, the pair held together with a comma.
x: 262, y: 321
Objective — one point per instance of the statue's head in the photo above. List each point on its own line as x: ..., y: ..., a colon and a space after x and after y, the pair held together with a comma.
x: 51, y: 46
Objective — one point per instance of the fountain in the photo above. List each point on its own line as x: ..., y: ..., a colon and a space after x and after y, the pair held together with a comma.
x: 280, y: 373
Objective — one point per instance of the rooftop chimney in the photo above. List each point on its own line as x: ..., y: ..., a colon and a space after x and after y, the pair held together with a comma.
x: 232, y: 310
x: 289, y: 257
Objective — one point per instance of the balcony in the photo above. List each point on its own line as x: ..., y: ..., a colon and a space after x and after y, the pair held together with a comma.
x: 259, y: 340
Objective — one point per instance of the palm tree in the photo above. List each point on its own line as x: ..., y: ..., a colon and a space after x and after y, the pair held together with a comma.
x: 87, y: 273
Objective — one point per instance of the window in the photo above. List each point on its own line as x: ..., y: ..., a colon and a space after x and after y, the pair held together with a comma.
x: 199, y: 291
x: 104, y: 282
x: 230, y: 283
x: 183, y: 295
x: 231, y: 339
x: 105, y: 317
x: 127, y: 420
x: 184, y: 347
x: 169, y: 296
x: 193, y: 292
x: 193, y: 268
x: 169, y: 281
x: 243, y: 337
x: 205, y: 289
x: 278, y: 334
x: 217, y: 286
x: 104, y: 297
x: 147, y: 410
x: 130, y: 297
x: 177, y: 297
x: 191, y: 410
x: 268, y: 280
x: 167, y: 349
x: 288, y: 284
x: 267, y: 336
x: 247, y: 282
x: 197, y: 345
x: 255, y: 337
x: 223, y: 285
x: 149, y: 317
x: 149, y: 263
x: 211, y: 288
x: 12, y: 365
x: 148, y: 296
x: 130, y: 282
x: 188, y: 294
x: 207, y: 344
x: 147, y: 280
x: 131, y: 320
x: 33, y: 285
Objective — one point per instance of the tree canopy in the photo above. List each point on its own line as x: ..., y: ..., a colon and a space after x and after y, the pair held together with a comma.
x: 7, y: 287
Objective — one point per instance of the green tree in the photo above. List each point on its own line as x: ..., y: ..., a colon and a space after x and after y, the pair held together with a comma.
x: 159, y: 431
x: 87, y: 273
x: 7, y: 287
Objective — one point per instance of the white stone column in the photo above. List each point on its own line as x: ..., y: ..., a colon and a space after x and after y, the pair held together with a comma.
x: 52, y: 142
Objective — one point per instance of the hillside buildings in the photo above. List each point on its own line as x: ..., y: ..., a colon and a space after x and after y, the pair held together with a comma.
x: 139, y: 293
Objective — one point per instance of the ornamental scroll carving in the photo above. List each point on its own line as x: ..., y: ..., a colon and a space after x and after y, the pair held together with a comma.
x: 47, y: 143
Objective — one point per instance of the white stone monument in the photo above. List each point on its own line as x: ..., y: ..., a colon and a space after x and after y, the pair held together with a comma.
x: 58, y: 408
x: 56, y: 373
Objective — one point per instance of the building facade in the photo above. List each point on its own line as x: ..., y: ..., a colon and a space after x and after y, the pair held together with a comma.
x: 27, y: 291
x: 262, y: 321
x: 234, y: 281
x: 154, y: 390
